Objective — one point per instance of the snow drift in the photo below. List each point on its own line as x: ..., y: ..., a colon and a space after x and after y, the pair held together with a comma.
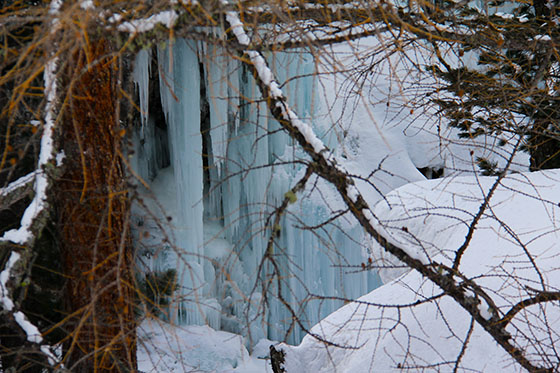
x: 408, y: 324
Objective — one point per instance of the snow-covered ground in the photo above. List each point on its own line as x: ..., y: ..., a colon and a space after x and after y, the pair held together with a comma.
x: 166, y: 348
x: 383, y: 331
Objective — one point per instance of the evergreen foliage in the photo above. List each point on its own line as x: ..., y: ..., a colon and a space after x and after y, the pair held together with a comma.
x: 156, y: 291
x: 513, y: 88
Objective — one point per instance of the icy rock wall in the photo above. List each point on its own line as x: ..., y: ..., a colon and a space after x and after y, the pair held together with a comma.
x: 230, y: 166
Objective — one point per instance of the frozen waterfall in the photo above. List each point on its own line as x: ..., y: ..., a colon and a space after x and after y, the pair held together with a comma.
x: 212, y: 166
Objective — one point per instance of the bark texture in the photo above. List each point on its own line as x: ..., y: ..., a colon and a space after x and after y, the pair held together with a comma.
x: 93, y: 210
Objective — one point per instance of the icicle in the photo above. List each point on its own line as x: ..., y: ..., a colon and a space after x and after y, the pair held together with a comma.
x: 141, y: 76
x: 243, y: 191
x: 180, y: 93
x: 217, y: 91
x: 231, y: 185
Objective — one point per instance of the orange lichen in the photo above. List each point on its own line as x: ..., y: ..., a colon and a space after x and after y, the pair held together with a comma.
x: 93, y: 213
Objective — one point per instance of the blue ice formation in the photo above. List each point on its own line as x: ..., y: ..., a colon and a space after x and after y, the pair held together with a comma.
x: 217, y: 166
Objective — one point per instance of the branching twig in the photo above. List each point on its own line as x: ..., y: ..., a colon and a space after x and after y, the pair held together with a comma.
x: 326, y: 167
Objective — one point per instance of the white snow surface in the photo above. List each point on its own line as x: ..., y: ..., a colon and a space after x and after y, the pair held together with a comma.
x: 5, y: 299
x: 166, y: 348
x: 167, y: 18
x: 388, y: 335
x: 381, y: 329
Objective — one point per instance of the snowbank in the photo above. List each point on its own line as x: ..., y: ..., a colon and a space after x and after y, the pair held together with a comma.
x: 166, y: 348
x: 399, y: 326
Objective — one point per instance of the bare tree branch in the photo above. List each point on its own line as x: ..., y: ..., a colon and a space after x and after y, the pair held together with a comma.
x: 325, y: 166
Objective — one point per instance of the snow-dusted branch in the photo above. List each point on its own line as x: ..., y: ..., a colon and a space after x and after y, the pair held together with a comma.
x: 17, y: 190
x: 308, y: 24
x: 33, y: 217
x: 32, y: 333
x: 166, y: 18
x: 22, y: 182
x: 24, y: 234
x: 324, y: 165
x: 5, y: 300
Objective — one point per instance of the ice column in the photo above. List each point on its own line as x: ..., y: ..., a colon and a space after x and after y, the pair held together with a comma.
x: 180, y: 95
x: 219, y: 239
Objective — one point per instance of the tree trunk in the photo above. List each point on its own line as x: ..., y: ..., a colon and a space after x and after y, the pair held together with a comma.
x: 93, y: 211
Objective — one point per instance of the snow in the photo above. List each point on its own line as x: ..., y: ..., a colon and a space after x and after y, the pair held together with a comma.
x: 166, y: 348
x: 306, y: 130
x: 5, y: 299
x: 378, y: 133
x: 372, y: 133
x: 485, y: 310
x: 16, y: 184
x: 23, y: 233
x: 237, y: 28
x: 456, y: 30
x: 167, y: 18
x: 382, y: 330
x: 33, y: 334
x: 542, y: 38
x: 60, y: 158
x: 387, y: 333
x: 504, y: 15
x: 87, y: 4
x: 54, y: 6
x: 51, y: 356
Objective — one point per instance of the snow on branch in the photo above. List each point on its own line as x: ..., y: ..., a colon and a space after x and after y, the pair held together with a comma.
x: 33, y: 215
x: 167, y: 18
x: 17, y: 184
x: 17, y: 190
x: 326, y: 167
x: 31, y: 331
x: 5, y: 299
x: 23, y: 235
